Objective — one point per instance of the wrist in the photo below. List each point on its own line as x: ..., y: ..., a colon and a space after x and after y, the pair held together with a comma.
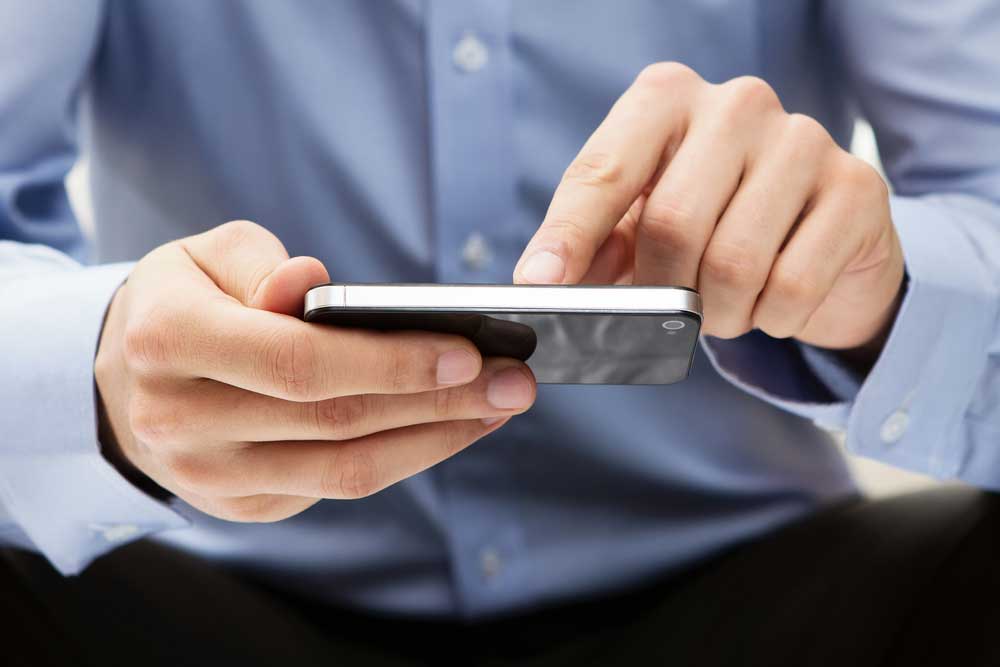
x: 113, y: 454
x: 862, y: 358
x: 110, y: 445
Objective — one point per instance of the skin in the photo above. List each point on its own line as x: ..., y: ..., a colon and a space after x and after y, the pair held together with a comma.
x: 716, y: 187
x: 214, y: 389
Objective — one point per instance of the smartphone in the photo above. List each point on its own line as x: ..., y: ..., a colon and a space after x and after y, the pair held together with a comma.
x: 567, y: 334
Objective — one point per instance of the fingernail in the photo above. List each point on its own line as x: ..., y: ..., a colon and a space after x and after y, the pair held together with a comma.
x: 509, y: 389
x: 544, y: 268
x: 457, y: 367
x: 490, y: 421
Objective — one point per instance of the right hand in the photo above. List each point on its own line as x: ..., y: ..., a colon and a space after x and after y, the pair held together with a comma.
x: 214, y: 389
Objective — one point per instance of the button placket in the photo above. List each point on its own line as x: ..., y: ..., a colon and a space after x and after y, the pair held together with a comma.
x: 474, y: 194
x: 471, y: 161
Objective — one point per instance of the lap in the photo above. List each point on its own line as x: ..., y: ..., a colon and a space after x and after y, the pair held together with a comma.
x: 146, y: 604
x: 910, y: 580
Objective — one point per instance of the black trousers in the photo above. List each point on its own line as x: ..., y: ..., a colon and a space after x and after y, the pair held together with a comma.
x: 913, y: 580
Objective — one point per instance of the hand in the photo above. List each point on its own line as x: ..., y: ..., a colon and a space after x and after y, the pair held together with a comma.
x: 216, y: 391
x: 717, y: 187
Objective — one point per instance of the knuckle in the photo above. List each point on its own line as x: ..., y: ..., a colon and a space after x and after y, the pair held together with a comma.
x: 448, y: 402
x: 404, y: 366
x: 730, y: 265
x: 806, y: 131
x: 877, y: 248
x: 726, y: 329
x: 778, y: 328
x: 152, y: 423
x: 401, y: 372
x: 146, y: 341
x: 237, y: 232
x: 751, y: 92
x: 231, y: 239
x: 250, y: 284
x: 665, y: 75
x: 566, y: 231
x: 729, y: 332
x: 143, y: 424
x: 351, y: 473
x: 862, y: 179
x: 290, y: 364
x: 668, y: 222
x: 190, y: 472
x: 341, y: 418
x: 792, y: 286
x: 779, y: 322
x: 595, y: 169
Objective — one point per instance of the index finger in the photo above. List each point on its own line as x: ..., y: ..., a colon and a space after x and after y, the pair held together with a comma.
x: 608, y: 174
x: 284, y: 357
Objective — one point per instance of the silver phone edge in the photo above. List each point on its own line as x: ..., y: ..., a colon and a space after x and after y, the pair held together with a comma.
x: 503, y: 298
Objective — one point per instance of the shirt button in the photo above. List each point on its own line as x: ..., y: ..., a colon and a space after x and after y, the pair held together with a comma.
x: 490, y: 563
x: 470, y: 54
x: 476, y: 253
x: 894, y: 426
x: 117, y: 532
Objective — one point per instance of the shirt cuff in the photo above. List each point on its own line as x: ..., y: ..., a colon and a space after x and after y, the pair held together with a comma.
x: 842, y: 381
x: 909, y: 411
x: 776, y: 371
x: 54, y: 483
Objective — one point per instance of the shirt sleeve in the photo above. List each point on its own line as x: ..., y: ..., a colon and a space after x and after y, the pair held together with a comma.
x: 58, y: 495
x: 923, y: 75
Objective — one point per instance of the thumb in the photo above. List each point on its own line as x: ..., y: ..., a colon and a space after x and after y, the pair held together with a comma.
x: 249, y: 263
x: 284, y: 289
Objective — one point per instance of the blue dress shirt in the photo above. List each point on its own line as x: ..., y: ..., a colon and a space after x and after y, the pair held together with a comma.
x: 420, y: 141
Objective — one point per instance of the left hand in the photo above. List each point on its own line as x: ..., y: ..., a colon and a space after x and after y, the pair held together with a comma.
x: 716, y: 187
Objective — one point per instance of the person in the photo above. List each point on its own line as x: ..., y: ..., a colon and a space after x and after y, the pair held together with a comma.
x: 261, y: 489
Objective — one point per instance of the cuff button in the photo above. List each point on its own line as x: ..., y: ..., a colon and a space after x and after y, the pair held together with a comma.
x: 894, y: 426
x: 118, y: 532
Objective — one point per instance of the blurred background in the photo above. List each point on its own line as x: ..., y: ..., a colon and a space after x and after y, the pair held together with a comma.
x: 874, y: 478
